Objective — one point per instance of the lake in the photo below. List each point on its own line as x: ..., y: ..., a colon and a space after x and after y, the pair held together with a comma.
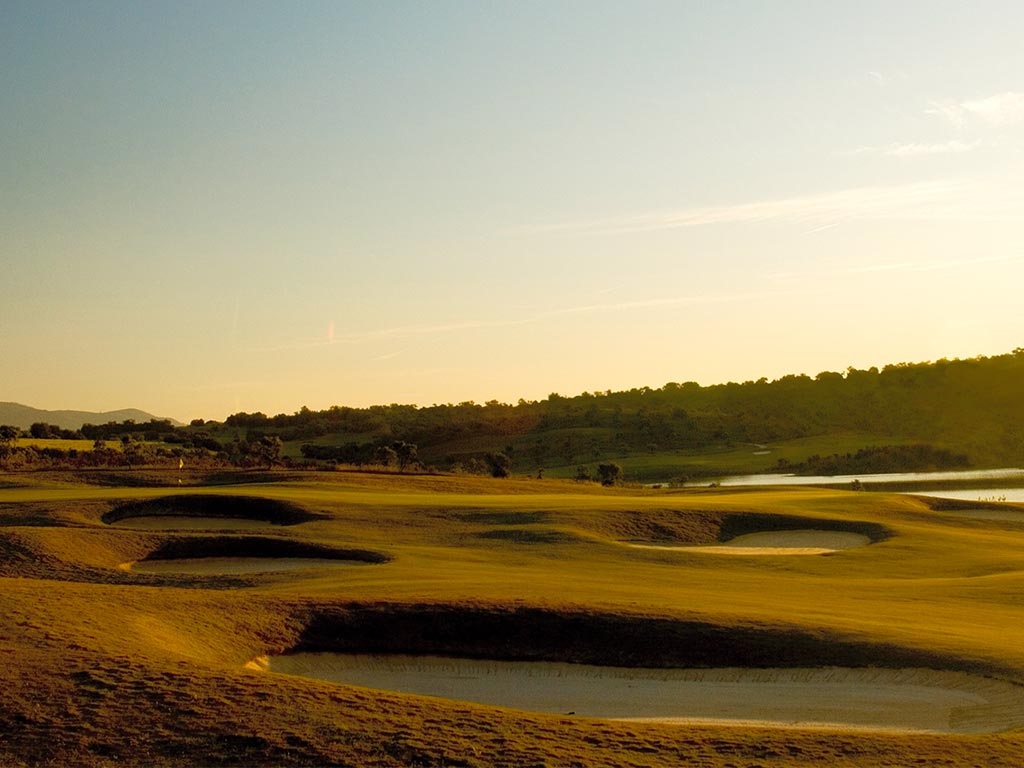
x: 1006, y: 484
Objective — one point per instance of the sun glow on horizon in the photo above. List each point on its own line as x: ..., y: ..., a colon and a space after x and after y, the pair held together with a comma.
x: 498, y: 203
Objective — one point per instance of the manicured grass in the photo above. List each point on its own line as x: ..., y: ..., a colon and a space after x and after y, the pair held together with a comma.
x: 104, y: 666
x: 746, y: 459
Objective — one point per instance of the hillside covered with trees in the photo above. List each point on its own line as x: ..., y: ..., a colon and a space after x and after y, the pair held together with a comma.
x: 971, y: 411
x: 938, y: 415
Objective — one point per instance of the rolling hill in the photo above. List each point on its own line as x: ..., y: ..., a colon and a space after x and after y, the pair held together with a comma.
x: 24, y: 416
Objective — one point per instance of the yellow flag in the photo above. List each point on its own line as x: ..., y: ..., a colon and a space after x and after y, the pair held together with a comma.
x: 181, y: 463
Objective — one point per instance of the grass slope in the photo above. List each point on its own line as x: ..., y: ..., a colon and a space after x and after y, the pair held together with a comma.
x: 108, y: 667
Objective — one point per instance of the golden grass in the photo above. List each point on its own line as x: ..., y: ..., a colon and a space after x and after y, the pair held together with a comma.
x: 64, y: 445
x: 104, y: 666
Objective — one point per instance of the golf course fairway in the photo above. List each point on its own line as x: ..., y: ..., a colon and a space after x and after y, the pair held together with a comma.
x: 361, y: 619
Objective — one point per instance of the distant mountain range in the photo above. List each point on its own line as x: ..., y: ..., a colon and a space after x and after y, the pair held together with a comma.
x: 23, y: 416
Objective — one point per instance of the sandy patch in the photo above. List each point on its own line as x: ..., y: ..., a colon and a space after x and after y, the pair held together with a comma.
x: 221, y: 566
x: 799, y: 542
x: 178, y: 522
x: 900, y: 700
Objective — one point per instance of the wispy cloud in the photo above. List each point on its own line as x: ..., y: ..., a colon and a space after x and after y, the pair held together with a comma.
x: 999, y: 110
x: 931, y: 199
x: 932, y: 266
x: 1002, y: 109
x: 822, y: 228
x: 949, y: 111
x: 416, y: 331
x: 915, y: 149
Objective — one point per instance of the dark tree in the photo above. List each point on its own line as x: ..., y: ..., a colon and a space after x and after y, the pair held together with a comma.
x: 386, y: 456
x: 499, y: 464
x: 8, y: 435
x: 43, y: 431
x: 267, y: 450
x: 407, y: 454
x: 610, y: 473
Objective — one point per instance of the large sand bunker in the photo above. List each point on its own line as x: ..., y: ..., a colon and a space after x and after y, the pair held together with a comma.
x: 224, y: 566
x: 206, y: 512
x: 224, y: 555
x: 182, y: 522
x: 881, y: 699
x: 794, y: 542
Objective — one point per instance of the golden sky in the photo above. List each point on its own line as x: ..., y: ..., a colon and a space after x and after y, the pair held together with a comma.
x: 245, y: 206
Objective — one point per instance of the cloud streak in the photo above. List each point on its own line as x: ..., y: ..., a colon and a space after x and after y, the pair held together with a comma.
x: 933, y: 266
x: 418, y: 331
x: 915, y: 149
x: 1000, y: 110
x: 923, y: 200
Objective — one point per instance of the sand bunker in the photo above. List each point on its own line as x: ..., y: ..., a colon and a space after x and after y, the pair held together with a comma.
x: 203, y: 511
x: 224, y: 566
x: 876, y: 699
x: 220, y: 555
x: 181, y: 522
x: 797, y: 542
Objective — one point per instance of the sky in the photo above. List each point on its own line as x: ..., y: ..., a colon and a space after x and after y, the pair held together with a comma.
x: 208, y: 208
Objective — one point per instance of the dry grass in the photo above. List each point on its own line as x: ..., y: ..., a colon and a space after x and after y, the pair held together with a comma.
x: 104, y: 667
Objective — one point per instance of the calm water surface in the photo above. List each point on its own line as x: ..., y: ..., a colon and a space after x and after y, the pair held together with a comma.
x: 1006, y: 484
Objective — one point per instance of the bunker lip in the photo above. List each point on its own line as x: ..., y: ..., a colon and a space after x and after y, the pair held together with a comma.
x: 221, y: 506
x: 809, y: 541
x: 186, y: 522
x: 758, y: 533
x: 230, y: 566
x: 260, y: 554
x: 577, y: 636
x: 897, y: 700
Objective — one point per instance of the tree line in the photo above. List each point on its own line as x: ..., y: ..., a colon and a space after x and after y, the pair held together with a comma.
x: 972, y: 408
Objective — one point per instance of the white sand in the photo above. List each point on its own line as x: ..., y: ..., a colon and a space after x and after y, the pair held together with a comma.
x: 799, y: 542
x: 176, y: 522
x: 213, y: 566
x: 894, y: 700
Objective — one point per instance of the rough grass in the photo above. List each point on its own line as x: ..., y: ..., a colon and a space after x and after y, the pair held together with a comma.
x: 107, y: 668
